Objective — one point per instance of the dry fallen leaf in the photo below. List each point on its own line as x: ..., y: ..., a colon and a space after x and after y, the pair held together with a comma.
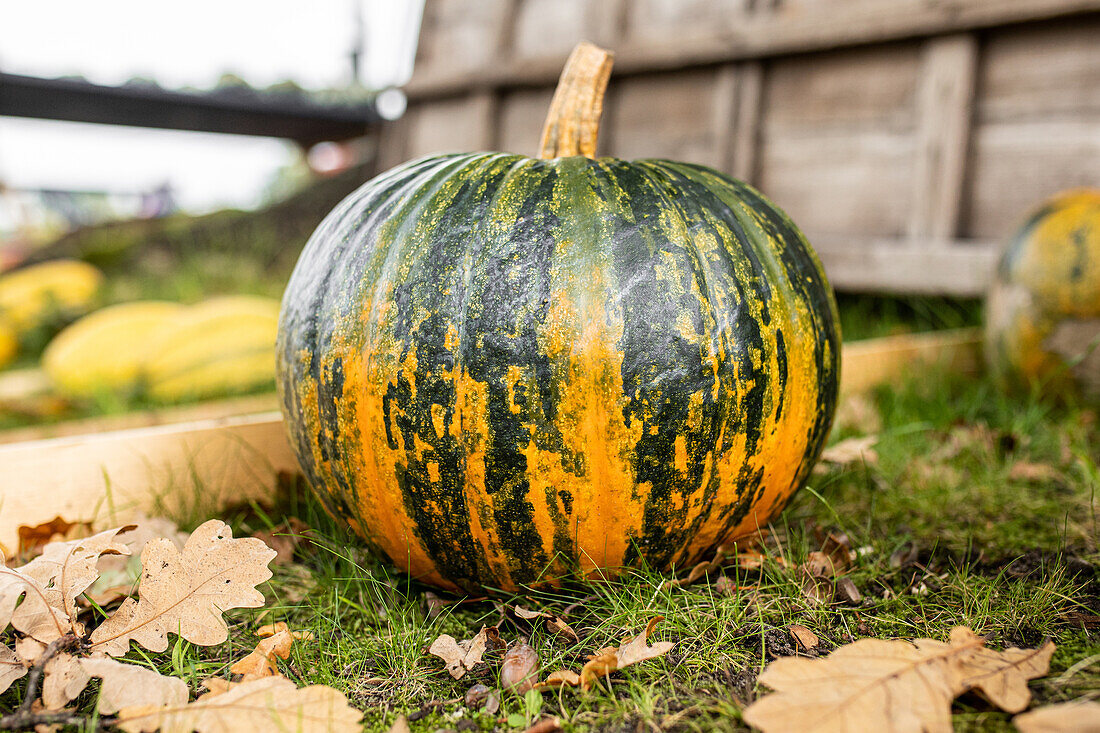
x: 261, y: 661
x: 271, y: 629
x: 1079, y: 716
x: 629, y: 652
x: 401, y: 725
x: 34, y: 616
x: 67, y: 569
x: 550, y: 724
x: 284, y: 538
x: 33, y: 539
x: 126, y: 685
x: 64, y: 680
x: 11, y: 667
x: 186, y: 592
x: 28, y: 649
x: 852, y: 450
x: 561, y: 678
x: 119, y: 574
x: 1034, y: 472
x: 270, y: 703
x: 460, y: 656
x: 807, y: 639
x: 554, y: 624
x: 873, y: 684
x: 519, y: 668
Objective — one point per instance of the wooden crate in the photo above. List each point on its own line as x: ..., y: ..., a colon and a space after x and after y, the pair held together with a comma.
x: 109, y: 476
x: 908, y: 138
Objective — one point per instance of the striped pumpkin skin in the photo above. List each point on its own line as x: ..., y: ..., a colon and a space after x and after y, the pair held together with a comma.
x: 501, y: 370
x: 1043, y: 309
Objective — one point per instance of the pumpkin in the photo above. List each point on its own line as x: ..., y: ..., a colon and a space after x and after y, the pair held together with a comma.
x: 1043, y: 309
x: 39, y: 294
x: 106, y: 350
x: 503, y: 370
x: 221, y: 345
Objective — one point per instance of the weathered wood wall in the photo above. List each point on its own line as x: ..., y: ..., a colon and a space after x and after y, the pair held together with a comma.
x: 907, y: 137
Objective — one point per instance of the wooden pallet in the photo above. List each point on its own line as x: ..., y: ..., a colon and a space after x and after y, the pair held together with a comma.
x: 108, y: 476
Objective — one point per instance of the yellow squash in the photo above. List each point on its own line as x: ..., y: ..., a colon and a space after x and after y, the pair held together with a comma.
x: 32, y: 296
x: 223, y: 345
x: 106, y: 350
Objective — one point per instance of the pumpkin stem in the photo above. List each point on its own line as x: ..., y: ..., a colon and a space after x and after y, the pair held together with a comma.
x: 573, y: 123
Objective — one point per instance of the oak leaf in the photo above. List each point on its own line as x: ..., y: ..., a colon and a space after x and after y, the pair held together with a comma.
x: 119, y: 574
x: 554, y: 623
x: 266, y: 704
x: 11, y: 667
x: 186, y: 592
x: 34, y: 538
x: 261, y: 661
x: 894, y: 686
x: 609, y: 659
x: 67, y: 569
x: 1079, y: 716
x: 126, y: 685
x: 64, y: 680
x: 35, y: 616
x: 460, y: 656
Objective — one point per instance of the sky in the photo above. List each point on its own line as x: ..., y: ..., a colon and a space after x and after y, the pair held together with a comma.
x: 184, y: 44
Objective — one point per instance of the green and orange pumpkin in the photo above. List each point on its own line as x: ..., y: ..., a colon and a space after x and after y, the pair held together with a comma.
x: 501, y: 370
x: 1043, y: 309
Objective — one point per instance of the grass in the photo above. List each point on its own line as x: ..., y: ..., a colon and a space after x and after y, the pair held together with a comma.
x: 1011, y: 553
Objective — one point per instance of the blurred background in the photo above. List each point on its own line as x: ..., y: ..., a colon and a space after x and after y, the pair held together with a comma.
x: 187, y: 151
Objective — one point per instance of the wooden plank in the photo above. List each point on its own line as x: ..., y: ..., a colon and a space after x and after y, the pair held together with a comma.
x: 884, y: 265
x: 110, y: 477
x: 765, y: 34
x: 872, y: 362
x: 944, y: 102
x: 750, y: 99
x: 724, y: 117
x: 146, y: 418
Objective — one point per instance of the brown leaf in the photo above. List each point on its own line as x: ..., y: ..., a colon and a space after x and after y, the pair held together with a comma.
x: 460, y: 656
x: 28, y: 649
x: 1034, y: 472
x: 519, y: 669
x: 550, y: 724
x: 119, y: 574
x: 11, y: 667
x: 554, y: 624
x: 126, y: 685
x: 629, y: 652
x: 560, y: 678
x: 435, y: 604
x: 186, y: 592
x: 873, y: 684
x: 838, y: 548
x: 806, y: 638
x: 903, y: 556
x: 401, y: 725
x: 284, y: 538
x: 67, y: 569
x: 218, y: 685
x: 261, y: 661
x: 34, y: 616
x: 64, y: 680
x: 852, y: 450
x: 271, y: 629
x: 33, y: 539
x: 1079, y: 716
x: 270, y: 703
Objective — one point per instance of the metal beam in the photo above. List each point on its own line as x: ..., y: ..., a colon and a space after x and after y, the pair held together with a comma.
x: 239, y: 111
